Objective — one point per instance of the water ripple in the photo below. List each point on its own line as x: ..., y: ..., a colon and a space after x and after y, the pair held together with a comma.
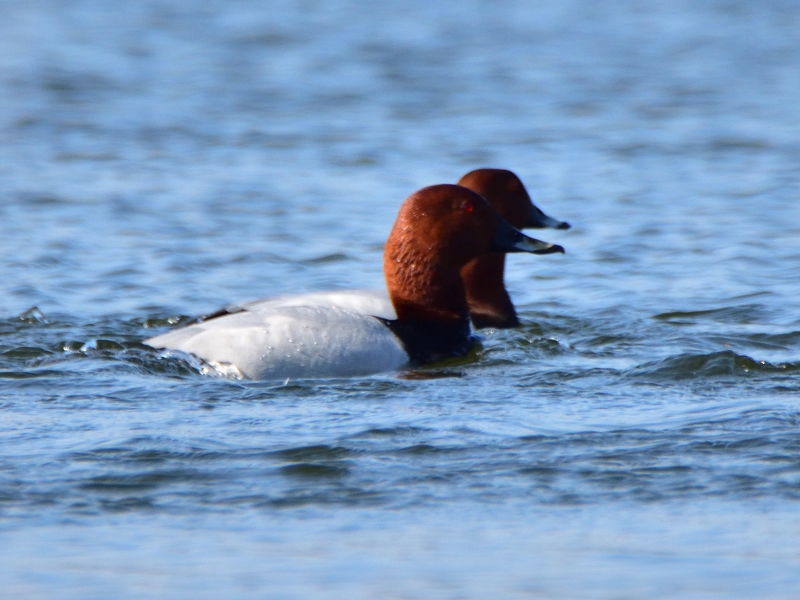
x: 715, y: 364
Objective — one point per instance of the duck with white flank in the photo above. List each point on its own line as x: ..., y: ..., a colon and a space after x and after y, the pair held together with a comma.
x: 438, y: 231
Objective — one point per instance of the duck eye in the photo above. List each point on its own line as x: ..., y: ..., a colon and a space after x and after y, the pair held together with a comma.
x: 467, y: 206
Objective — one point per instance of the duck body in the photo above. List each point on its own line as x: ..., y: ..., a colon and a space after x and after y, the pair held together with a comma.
x: 279, y: 342
x: 439, y: 229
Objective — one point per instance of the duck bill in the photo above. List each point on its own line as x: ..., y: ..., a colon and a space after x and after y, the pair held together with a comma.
x: 538, y: 220
x: 508, y: 239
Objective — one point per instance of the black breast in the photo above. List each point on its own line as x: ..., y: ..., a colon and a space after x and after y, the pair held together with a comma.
x: 431, y: 341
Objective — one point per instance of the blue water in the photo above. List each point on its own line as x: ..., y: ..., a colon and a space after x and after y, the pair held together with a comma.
x: 637, y: 437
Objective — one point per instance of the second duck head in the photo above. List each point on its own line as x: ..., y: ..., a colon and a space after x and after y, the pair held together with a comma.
x: 483, y: 277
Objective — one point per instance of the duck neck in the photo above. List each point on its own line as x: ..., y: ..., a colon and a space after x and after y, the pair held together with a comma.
x: 432, y: 313
x: 487, y: 298
x: 422, y: 290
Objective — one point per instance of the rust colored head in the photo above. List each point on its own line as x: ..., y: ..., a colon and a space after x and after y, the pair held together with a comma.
x: 438, y: 230
x: 508, y: 196
x: 487, y: 297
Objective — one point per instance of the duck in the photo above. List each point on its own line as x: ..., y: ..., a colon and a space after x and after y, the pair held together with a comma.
x: 484, y: 277
x: 489, y: 302
x: 439, y: 229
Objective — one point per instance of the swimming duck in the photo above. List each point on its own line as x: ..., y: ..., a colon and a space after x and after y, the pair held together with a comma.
x: 438, y: 230
x: 487, y: 297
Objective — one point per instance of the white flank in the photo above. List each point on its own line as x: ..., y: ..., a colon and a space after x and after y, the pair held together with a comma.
x: 277, y: 342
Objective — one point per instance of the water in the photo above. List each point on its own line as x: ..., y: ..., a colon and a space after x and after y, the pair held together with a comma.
x: 636, y: 437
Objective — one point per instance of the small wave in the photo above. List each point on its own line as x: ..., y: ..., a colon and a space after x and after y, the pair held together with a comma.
x: 715, y: 364
x: 401, y: 431
x: 422, y: 448
x: 149, y: 480
x: 326, y: 258
x: 27, y: 374
x: 33, y: 315
x: 314, y: 471
x: 313, y: 462
x: 311, y: 453
x: 747, y: 313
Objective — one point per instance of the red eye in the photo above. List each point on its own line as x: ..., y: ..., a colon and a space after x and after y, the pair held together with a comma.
x: 467, y: 206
